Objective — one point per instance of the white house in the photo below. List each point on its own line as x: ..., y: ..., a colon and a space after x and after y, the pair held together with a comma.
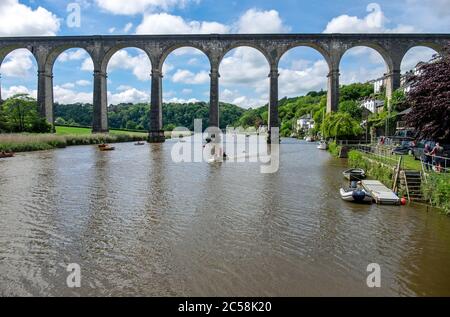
x: 372, y: 104
x: 305, y: 123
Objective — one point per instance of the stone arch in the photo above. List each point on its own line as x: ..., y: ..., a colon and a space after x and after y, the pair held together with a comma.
x: 432, y: 45
x: 6, y: 50
x: 160, y: 63
x: 112, y: 51
x: 412, y: 47
x: 388, y: 60
x: 250, y: 44
x: 295, y: 80
x: 322, y: 51
x: 57, y: 51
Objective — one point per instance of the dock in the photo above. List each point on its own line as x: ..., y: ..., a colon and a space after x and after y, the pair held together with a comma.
x: 380, y: 193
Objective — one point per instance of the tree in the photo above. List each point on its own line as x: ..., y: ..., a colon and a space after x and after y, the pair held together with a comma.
x: 352, y: 108
x: 21, y: 115
x: 398, y: 100
x: 355, y: 91
x: 341, y: 125
x: 429, y: 99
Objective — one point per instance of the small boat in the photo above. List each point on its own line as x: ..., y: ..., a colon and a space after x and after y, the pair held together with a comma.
x: 7, y: 154
x: 139, y: 143
x: 308, y: 139
x: 107, y: 148
x: 357, y: 195
x: 100, y: 146
x: 355, y: 173
x: 323, y: 146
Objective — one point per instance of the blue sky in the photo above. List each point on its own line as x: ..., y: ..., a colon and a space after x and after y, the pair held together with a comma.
x: 243, y: 72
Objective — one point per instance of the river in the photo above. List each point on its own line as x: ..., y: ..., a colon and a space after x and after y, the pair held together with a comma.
x: 139, y: 224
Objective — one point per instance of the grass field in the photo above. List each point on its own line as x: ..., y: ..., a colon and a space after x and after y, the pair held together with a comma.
x: 64, y: 136
x: 87, y: 131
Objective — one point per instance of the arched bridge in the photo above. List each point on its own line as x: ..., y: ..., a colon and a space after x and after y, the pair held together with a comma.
x: 392, y: 47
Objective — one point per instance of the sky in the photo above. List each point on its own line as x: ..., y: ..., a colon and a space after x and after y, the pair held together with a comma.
x: 244, y: 71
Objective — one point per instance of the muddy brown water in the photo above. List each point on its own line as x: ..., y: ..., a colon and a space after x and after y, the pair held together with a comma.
x: 139, y: 224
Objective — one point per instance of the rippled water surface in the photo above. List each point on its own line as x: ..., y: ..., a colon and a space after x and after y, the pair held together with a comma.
x: 139, y: 224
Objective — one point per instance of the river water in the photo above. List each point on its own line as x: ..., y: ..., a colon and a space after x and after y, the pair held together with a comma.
x: 139, y: 224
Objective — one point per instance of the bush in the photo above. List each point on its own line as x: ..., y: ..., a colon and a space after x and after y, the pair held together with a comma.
x: 437, y: 191
x: 373, y: 169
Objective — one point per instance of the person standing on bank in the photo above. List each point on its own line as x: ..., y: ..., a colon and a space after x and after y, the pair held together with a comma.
x: 437, y: 157
x: 427, y: 159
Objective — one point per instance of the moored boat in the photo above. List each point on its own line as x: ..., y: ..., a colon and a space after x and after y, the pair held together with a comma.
x: 356, y: 195
x: 356, y: 173
x: 107, y: 148
x: 7, y: 154
x: 322, y: 145
x: 139, y: 143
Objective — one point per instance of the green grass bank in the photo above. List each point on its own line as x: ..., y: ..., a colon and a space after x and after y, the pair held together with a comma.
x: 64, y: 136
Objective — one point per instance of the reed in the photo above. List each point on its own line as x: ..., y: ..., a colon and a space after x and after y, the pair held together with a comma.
x: 38, y: 142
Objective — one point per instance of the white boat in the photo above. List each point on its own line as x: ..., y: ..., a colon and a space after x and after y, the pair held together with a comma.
x: 356, y: 195
x: 309, y: 139
x: 323, y: 146
x: 356, y: 173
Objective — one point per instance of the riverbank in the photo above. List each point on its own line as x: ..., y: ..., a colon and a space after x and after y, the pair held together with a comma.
x: 435, y: 190
x: 64, y: 136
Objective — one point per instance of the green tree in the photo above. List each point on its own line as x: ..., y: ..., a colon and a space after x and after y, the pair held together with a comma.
x: 352, y: 108
x: 341, y: 125
x: 355, y: 91
x: 21, y: 115
x: 398, y: 101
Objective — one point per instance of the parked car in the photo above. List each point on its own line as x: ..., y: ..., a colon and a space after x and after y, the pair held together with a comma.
x: 420, y: 146
x: 405, y: 148
x: 401, y: 136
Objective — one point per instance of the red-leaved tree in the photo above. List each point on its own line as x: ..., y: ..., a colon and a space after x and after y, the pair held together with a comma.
x: 429, y: 99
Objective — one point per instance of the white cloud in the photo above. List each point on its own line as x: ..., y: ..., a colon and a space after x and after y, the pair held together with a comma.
x: 64, y: 95
x: 87, y: 65
x: 374, y: 22
x: 14, y: 90
x: 256, y: 21
x: 164, y: 23
x: 128, y: 95
x: 187, y: 77
x: 187, y: 91
x: 237, y: 98
x: 68, y: 85
x: 181, y: 100
x: 83, y: 82
x: 244, y: 66
x: 19, y: 63
x: 139, y: 64
x: 311, y: 77
x: 17, y: 19
x: 112, y: 30
x: 72, y: 55
x: 138, y: 6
